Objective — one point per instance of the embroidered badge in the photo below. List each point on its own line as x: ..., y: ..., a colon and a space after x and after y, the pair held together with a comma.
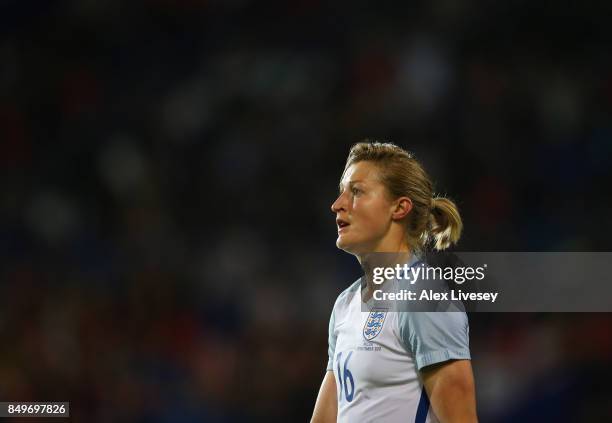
x: 374, y: 324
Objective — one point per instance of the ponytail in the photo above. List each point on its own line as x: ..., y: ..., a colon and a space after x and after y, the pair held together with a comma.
x: 445, y: 223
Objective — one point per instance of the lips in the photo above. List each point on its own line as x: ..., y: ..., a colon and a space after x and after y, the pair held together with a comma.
x: 341, y: 224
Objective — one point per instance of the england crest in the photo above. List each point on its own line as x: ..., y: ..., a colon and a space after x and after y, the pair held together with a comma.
x: 374, y: 324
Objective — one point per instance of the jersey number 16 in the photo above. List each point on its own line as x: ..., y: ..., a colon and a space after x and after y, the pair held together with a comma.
x: 345, y: 377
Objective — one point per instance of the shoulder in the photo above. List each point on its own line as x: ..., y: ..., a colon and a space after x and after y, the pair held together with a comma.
x: 345, y: 297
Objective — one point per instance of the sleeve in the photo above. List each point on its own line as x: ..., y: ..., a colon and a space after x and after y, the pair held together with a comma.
x: 435, y: 337
x: 331, y: 340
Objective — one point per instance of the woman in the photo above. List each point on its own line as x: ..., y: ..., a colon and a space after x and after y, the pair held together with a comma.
x: 415, y: 366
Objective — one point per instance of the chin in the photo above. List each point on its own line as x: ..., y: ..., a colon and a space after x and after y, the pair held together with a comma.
x: 342, y: 243
x: 347, y: 246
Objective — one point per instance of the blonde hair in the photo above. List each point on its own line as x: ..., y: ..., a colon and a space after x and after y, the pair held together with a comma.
x: 433, y: 220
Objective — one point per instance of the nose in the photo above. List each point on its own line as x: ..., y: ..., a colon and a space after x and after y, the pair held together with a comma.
x: 339, y: 204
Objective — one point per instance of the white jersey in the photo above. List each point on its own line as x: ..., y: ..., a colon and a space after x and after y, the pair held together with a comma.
x: 376, y: 355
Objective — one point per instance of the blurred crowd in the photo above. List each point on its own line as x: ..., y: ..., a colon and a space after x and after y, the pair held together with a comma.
x: 167, y: 245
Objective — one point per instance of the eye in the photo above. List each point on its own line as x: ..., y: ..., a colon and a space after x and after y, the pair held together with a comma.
x: 356, y: 191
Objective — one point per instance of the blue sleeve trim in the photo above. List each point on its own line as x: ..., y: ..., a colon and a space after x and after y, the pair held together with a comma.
x: 441, y: 356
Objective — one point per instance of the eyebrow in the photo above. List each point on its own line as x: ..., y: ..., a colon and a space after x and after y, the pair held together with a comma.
x: 350, y: 183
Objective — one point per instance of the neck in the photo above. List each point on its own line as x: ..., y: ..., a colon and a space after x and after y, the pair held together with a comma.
x: 373, y: 258
x: 382, y: 258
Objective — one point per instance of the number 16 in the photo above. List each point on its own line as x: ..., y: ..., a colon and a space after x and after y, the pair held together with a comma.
x: 345, y: 377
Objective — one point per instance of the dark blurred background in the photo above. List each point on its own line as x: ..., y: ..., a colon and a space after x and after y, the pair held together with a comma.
x: 167, y: 248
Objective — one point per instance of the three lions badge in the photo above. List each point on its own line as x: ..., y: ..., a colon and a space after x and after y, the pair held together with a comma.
x: 374, y: 324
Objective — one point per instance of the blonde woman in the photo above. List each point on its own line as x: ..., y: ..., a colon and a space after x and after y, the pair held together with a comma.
x: 419, y: 369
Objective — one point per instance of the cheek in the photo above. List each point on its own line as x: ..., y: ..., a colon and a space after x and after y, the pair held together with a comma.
x: 372, y: 217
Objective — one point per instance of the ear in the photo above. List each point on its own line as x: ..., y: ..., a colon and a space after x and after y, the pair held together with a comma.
x: 402, y: 206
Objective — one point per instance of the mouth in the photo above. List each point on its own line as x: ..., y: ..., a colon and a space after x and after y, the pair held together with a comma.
x: 342, y: 225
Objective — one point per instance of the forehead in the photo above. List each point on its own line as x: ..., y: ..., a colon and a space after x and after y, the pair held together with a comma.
x: 361, y: 171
